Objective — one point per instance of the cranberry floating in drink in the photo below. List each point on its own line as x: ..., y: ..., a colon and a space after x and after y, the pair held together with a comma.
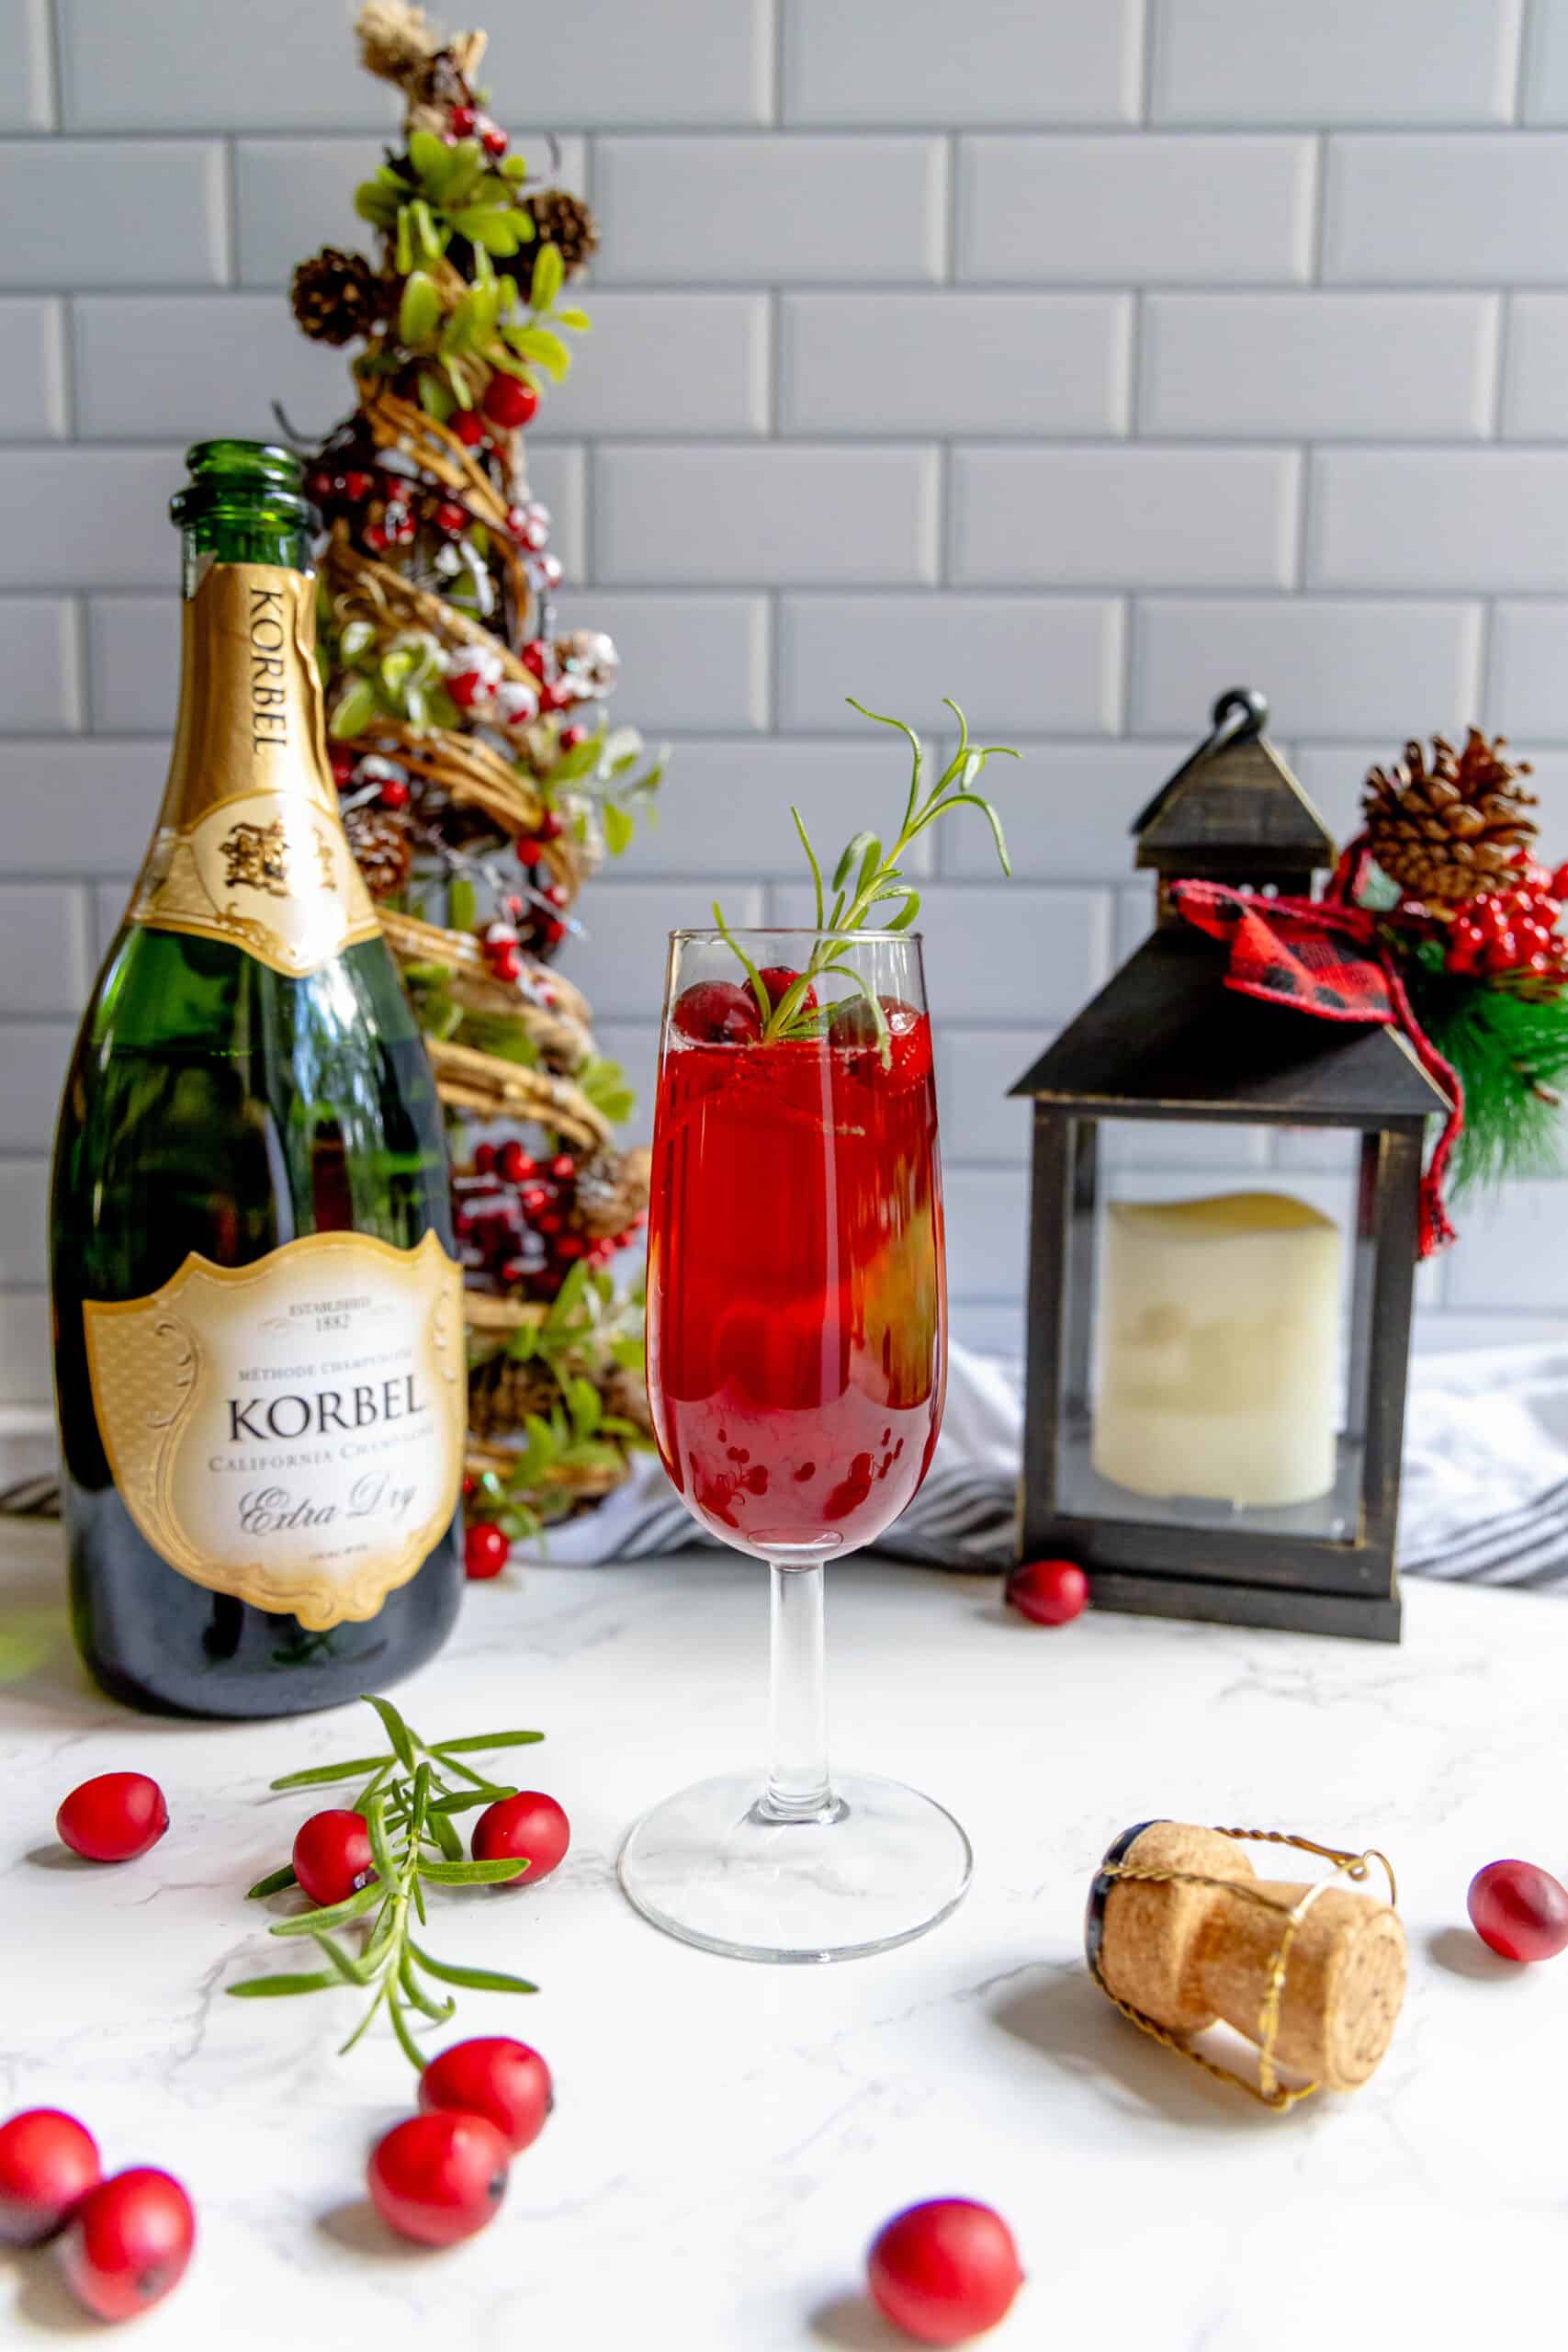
x: 797, y: 1356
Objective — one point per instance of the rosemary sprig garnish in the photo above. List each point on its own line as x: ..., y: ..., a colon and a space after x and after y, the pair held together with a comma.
x: 408, y: 1804
x: 867, y: 877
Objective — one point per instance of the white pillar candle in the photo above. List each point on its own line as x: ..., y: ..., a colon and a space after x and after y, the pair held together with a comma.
x: 1219, y: 1372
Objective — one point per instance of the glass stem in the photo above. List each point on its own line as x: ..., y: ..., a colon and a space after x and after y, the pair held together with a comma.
x: 798, y: 1788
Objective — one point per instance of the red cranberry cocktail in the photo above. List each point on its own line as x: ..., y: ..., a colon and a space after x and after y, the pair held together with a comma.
x: 796, y: 1355
x: 794, y: 1278
x: 796, y: 1305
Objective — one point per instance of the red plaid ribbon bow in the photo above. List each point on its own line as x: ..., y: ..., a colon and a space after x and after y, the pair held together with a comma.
x: 1323, y: 956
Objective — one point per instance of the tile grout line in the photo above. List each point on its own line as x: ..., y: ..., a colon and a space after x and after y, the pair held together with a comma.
x: 1502, y: 348
x: 1486, y: 656
x: 80, y: 670
x: 1317, y: 231
x: 1523, y: 59
x: 1116, y: 127
x: 230, y: 198
x: 54, y: 64
x: 1148, y: 31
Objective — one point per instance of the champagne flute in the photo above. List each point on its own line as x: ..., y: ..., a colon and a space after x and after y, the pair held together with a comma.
x: 796, y: 1355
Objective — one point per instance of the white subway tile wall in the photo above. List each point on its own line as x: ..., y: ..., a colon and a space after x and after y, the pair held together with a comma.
x: 1078, y: 359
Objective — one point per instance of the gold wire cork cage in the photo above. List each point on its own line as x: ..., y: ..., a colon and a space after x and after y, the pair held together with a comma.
x: 1180, y: 1935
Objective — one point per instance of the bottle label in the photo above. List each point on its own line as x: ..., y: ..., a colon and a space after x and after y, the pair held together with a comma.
x: 250, y: 846
x: 291, y: 1431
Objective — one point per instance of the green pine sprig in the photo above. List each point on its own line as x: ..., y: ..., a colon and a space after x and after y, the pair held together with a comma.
x: 1511, y: 1052
x: 410, y: 1805
x: 867, y: 875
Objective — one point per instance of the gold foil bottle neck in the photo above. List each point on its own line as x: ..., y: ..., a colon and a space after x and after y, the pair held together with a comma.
x: 250, y: 847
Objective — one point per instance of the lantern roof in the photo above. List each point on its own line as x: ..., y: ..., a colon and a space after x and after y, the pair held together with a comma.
x: 1167, y: 1035
x: 1233, y: 809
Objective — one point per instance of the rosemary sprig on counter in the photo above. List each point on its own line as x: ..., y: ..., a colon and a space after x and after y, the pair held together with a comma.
x: 409, y: 1802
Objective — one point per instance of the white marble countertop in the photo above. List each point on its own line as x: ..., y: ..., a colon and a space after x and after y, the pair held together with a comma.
x: 728, y: 2137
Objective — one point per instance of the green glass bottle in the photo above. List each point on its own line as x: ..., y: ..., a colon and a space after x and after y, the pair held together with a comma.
x: 259, y: 1346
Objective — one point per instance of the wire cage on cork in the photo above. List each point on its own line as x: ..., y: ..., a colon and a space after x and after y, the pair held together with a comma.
x: 1180, y: 1935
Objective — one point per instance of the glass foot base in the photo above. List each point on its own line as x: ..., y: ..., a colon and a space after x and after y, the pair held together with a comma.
x: 710, y: 1867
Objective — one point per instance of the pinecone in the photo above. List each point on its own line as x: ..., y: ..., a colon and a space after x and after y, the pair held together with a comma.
x: 611, y: 1192
x: 562, y: 221
x: 382, y: 850
x: 1449, y: 826
x: 336, y: 296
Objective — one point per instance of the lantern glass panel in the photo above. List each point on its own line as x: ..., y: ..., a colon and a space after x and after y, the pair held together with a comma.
x: 1216, y: 1327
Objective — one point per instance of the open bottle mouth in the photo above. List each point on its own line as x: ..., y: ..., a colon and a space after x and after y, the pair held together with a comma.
x: 243, y: 476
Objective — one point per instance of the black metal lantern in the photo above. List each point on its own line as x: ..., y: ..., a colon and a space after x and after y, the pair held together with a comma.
x: 1215, y: 1395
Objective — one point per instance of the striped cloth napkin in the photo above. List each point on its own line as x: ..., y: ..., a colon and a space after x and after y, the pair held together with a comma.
x: 1485, y: 1496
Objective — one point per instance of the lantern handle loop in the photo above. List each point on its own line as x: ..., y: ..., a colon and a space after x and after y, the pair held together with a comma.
x: 1247, y: 707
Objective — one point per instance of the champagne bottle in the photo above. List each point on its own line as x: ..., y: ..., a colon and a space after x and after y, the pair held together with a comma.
x: 259, y: 1352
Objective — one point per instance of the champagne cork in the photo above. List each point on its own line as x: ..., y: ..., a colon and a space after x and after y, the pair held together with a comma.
x: 1186, y: 1956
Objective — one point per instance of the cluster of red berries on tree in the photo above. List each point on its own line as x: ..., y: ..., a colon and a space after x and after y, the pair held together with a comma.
x: 480, y: 779
x: 1476, y: 924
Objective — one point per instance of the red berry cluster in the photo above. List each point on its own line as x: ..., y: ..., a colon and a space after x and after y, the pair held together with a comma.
x: 534, y: 925
x: 352, y: 769
x: 516, y: 1220
x: 720, y: 1012
x: 466, y: 122
x: 124, y: 2243
x: 379, y: 504
x: 346, y: 490
x: 440, y: 2175
x: 1513, y: 930
x: 557, y: 691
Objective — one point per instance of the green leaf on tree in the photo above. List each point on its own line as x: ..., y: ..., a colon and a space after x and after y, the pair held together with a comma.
x: 539, y: 344
x: 419, y: 311
x: 376, y: 202
x: 486, y: 226
x: 353, y: 711
x: 549, y: 277
x: 582, y: 1404
x: 432, y: 160
x: 434, y: 397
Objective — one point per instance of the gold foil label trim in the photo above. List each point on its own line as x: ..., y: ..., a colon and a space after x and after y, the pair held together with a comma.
x: 250, y: 846
x: 291, y: 1431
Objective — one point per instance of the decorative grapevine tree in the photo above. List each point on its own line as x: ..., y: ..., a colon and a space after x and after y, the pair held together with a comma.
x: 481, y: 781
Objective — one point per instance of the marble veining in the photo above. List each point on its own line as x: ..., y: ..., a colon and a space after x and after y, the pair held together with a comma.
x: 727, y: 2137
